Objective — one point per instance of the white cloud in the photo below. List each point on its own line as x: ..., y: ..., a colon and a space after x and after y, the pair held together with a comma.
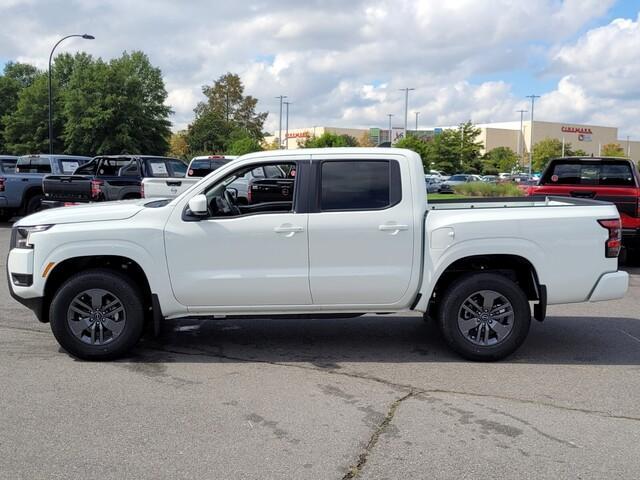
x: 342, y: 63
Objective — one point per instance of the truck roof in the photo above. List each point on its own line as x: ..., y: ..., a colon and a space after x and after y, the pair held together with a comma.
x: 376, y: 151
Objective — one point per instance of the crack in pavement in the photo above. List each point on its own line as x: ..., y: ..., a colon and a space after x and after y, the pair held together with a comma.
x: 354, y: 470
x: 400, y: 386
x: 24, y: 329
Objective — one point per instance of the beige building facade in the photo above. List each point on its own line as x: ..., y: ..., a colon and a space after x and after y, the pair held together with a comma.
x: 589, y: 138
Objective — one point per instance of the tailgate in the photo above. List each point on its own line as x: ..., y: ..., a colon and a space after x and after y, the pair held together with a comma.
x: 166, y: 187
x: 67, y: 188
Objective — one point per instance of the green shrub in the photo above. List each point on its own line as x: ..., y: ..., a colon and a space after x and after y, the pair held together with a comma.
x: 482, y: 189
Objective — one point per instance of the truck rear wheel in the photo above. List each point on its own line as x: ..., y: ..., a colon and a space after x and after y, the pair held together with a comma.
x: 34, y: 204
x: 484, y: 316
x: 97, y: 315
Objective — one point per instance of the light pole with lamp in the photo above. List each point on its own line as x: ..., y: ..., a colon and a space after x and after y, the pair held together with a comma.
x: 86, y: 37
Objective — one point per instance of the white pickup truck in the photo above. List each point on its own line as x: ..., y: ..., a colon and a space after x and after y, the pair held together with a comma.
x: 357, y: 236
x: 199, y: 167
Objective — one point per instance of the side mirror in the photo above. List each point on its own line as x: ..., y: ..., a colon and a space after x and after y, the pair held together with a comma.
x: 198, y: 206
x: 233, y: 192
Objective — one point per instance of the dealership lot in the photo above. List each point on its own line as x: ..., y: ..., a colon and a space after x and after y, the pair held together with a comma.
x: 372, y: 397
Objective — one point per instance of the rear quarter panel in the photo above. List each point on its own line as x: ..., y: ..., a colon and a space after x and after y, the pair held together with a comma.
x: 565, y: 244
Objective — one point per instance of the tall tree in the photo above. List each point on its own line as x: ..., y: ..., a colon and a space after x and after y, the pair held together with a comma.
x: 549, y: 148
x: 15, y: 77
x: 26, y: 128
x: 419, y: 146
x: 329, y: 139
x: 499, y: 159
x: 117, y: 107
x: 178, y: 146
x: 612, y: 150
x: 226, y: 108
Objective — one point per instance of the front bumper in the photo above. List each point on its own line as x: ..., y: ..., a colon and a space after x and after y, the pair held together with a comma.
x: 35, y: 304
x: 611, y: 286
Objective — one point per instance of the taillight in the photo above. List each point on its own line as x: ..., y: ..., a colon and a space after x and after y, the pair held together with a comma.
x: 614, y: 242
x: 96, y: 189
x: 2, y: 182
x: 141, y: 190
x: 190, y: 173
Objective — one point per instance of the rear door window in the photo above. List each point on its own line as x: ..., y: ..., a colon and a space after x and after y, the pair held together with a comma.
x: 571, y: 172
x: 68, y: 166
x: 178, y: 168
x: 359, y: 185
x: 158, y: 167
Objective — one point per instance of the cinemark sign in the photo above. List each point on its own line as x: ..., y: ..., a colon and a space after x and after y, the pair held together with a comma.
x: 582, y: 130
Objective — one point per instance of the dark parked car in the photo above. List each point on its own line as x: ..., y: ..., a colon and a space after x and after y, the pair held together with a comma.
x: 21, y: 180
x: 111, y: 177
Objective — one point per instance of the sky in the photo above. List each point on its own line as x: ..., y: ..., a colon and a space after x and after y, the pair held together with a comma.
x: 343, y: 63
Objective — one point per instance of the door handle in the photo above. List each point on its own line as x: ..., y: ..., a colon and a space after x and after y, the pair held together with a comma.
x: 393, y: 228
x: 289, y: 230
x: 174, y: 183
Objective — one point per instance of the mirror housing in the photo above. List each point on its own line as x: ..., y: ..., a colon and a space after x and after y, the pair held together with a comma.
x: 198, y: 206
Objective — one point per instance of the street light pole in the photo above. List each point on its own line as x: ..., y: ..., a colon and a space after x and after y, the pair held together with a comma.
x: 533, y: 99
x: 84, y: 36
x: 281, y: 97
x: 406, y: 107
x: 417, y: 113
x: 521, y: 135
x: 286, y: 135
x: 390, y: 115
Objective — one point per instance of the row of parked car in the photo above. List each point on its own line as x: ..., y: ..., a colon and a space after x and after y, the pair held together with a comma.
x: 438, y: 183
x: 33, y: 182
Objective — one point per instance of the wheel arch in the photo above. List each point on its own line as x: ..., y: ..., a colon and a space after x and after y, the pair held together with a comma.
x: 515, y: 267
x: 70, y: 266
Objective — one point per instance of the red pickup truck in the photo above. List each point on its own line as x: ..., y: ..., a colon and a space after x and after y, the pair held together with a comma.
x: 609, y: 179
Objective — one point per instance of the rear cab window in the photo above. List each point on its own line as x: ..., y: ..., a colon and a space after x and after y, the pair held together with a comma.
x: 610, y: 173
x: 359, y: 185
x: 7, y: 166
x: 158, y: 167
x: 68, y: 165
x: 203, y: 167
x: 33, y: 165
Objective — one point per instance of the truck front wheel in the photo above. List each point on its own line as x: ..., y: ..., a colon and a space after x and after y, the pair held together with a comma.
x: 97, y: 315
x: 484, y: 316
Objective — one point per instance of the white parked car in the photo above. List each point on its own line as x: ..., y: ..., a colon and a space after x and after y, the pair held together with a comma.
x: 353, y: 237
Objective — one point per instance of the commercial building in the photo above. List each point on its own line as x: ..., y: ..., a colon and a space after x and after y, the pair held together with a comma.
x: 589, y: 138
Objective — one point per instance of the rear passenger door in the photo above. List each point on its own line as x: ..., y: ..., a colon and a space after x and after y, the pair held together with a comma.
x: 361, y: 232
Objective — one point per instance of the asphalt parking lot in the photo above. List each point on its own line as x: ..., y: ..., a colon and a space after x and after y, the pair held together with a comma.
x: 377, y: 397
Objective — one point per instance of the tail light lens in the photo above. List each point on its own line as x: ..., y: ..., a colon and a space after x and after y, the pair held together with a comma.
x: 190, y: 173
x: 141, y: 190
x: 2, y: 182
x: 614, y: 242
x: 96, y: 188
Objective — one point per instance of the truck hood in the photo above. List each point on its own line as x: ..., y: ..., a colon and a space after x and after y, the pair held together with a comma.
x: 90, y: 212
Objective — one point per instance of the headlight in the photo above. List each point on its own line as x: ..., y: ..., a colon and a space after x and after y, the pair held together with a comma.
x: 21, y: 236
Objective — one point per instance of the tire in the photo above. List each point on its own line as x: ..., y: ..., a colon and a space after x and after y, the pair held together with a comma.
x: 121, y: 329
x: 34, y: 204
x: 473, y: 332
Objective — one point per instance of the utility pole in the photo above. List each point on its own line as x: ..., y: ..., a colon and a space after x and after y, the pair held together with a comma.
x: 281, y: 97
x: 286, y: 126
x: 533, y: 99
x: 417, y: 113
x: 562, y: 146
x: 406, y: 107
x: 389, y: 115
x: 628, y: 148
x: 521, y: 136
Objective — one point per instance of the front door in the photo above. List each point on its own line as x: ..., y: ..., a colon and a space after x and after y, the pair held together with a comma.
x: 242, y: 255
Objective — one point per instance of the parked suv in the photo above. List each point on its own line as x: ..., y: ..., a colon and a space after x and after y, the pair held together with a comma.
x: 21, y: 182
x: 610, y: 179
x: 112, y: 177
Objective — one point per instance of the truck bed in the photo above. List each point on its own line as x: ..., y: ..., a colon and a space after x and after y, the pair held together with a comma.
x: 510, y: 202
